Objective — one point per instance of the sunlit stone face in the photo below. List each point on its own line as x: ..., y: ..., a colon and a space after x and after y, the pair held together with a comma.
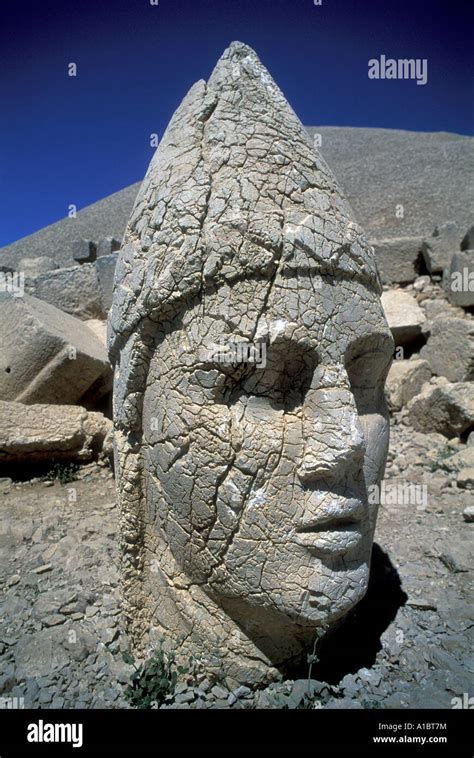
x: 256, y: 474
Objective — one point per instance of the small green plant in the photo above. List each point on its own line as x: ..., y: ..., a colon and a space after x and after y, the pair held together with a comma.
x: 63, y: 472
x: 370, y: 704
x: 154, y: 680
x: 442, y: 456
x: 311, y: 699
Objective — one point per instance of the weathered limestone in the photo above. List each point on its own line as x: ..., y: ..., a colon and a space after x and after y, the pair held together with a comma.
x: 74, y: 290
x: 438, y: 249
x: 35, y: 266
x: 33, y: 434
x: 405, y: 380
x: 458, y: 280
x: 251, y: 352
x: 450, y: 349
x: 404, y: 315
x: 398, y: 258
x: 47, y: 356
x: 443, y: 407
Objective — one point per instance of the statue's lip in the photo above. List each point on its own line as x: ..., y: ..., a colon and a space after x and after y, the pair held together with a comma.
x: 329, y: 524
x: 339, y: 516
x: 332, y: 538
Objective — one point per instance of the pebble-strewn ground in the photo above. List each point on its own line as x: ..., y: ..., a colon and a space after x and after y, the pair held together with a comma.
x: 407, y: 646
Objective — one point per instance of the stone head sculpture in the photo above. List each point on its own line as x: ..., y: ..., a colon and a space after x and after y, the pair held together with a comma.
x: 243, y: 470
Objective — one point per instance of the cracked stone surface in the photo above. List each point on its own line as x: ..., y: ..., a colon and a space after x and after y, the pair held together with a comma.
x: 242, y: 484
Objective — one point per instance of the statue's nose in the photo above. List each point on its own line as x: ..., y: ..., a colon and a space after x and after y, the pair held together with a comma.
x: 333, y: 439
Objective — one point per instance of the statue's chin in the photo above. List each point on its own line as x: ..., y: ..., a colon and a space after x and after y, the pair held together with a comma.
x: 295, y: 611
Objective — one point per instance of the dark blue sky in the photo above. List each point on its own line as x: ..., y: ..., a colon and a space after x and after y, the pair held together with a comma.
x: 74, y: 140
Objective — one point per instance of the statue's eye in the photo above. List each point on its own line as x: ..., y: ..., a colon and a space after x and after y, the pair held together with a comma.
x: 282, y: 374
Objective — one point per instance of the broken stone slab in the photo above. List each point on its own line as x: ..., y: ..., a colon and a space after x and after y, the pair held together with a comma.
x: 75, y: 290
x: 105, y: 267
x: 84, y: 251
x: 405, y: 380
x: 398, y: 258
x: 47, y: 356
x: 458, y: 279
x: 32, y: 267
x: 439, y: 308
x: 450, y: 349
x: 438, y: 249
x: 405, y: 317
x: 40, y: 433
x: 442, y: 407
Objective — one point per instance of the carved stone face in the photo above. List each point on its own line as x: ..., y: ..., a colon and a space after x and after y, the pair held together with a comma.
x: 256, y: 476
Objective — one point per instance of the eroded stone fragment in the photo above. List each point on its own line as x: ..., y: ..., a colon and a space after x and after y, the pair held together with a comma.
x: 46, y: 356
x: 443, y: 407
x: 398, y: 258
x: 405, y: 380
x: 36, y: 433
x: 404, y: 315
x: 450, y: 349
x: 250, y: 352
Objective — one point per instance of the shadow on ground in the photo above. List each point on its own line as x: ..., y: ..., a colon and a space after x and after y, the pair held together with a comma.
x: 356, y: 642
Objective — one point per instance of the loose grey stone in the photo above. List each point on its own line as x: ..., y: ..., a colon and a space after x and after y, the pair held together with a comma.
x: 47, y: 356
x: 443, y: 407
x: 468, y: 514
x: 404, y: 315
x: 450, y: 349
x: 35, y: 433
x: 74, y: 290
x: 438, y: 249
x: 405, y: 380
x: 32, y: 267
x: 398, y: 258
x: 458, y: 279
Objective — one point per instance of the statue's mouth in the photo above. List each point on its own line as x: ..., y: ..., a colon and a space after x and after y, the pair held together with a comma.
x: 337, y: 529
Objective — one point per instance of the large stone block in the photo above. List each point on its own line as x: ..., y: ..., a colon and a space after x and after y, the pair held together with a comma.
x: 458, y: 280
x: 398, y: 258
x: 443, y: 407
x: 404, y: 315
x: 32, y: 267
x: 33, y: 434
x: 47, y: 356
x: 405, y: 380
x: 438, y: 249
x: 74, y: 290
x: 450, y: 349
